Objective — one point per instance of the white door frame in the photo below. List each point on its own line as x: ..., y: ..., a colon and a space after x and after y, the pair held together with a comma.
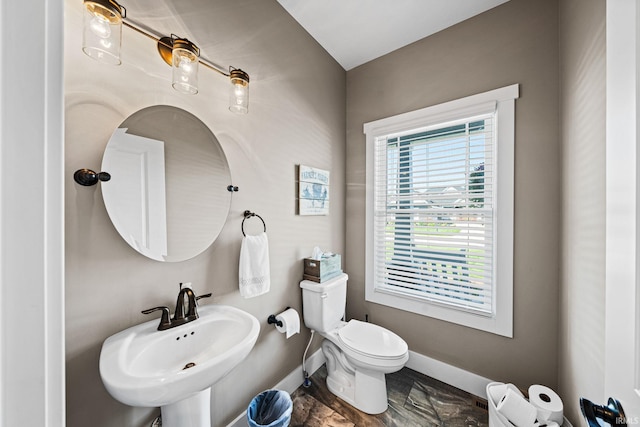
x: 622, y: 197
x: 32, y: 344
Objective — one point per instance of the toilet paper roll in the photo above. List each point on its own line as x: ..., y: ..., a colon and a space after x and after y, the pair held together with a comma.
x: 290, y: 322
x: 498, y: 391
x: 547, y: 403
x: 516, y: 409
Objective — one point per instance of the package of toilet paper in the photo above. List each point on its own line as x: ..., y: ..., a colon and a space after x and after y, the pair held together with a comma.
x: 509, y: 407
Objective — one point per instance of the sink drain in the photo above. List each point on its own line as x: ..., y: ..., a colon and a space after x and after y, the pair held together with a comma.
x: 189, y: 365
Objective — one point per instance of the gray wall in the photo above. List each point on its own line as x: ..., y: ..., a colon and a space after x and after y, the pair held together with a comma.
x: 297, y: 116
x: 516, y: 42
x: 582, y: 112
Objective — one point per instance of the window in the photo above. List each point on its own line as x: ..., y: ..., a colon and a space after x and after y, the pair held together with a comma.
x: 440, y: 211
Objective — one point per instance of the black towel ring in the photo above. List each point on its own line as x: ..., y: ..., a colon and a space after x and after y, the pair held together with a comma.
x: 249, y: 214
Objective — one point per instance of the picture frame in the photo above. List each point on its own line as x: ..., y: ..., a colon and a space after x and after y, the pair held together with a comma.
x: 313, y: 191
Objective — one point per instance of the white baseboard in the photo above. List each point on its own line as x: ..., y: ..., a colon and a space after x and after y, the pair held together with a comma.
x: 290, y: 383
x: 452, y: 375
x: 457, y: 377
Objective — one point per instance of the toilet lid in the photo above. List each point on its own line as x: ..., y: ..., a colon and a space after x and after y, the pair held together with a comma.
x: 372, y: 340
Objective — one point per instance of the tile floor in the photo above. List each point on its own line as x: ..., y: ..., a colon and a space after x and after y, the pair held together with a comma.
x: 415, y: 400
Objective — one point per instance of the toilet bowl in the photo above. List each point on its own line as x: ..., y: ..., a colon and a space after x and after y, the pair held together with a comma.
x: 358, y: 354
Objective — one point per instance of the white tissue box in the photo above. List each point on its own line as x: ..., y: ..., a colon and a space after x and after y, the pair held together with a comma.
x: 323, y: 269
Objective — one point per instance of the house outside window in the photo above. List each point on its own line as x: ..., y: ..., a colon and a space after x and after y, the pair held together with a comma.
x: 440, y: 211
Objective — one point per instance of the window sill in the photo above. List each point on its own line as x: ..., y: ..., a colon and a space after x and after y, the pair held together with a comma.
x: 499, y: 323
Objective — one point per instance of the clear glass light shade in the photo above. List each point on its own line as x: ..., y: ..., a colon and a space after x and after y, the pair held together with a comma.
x: 185, y: 70
x: 239, y: 94
x: 102, y: 35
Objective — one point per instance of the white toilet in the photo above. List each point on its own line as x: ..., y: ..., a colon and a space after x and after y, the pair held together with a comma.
x: 358, y: 354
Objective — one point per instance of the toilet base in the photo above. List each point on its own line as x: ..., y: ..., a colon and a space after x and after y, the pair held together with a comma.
x: 363, y: 389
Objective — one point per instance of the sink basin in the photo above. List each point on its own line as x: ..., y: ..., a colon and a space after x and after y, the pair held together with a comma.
x: 142, y: 366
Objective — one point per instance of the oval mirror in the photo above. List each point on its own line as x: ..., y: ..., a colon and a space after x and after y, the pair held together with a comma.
x: 168, y: 195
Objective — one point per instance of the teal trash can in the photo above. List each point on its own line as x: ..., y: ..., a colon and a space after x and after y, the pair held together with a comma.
x: 271, y: 408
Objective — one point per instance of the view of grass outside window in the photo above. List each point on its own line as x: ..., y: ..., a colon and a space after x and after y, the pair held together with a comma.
x: 434, y: 213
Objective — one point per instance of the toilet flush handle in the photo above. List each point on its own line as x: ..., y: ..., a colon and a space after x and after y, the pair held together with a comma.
x: 324, y: 295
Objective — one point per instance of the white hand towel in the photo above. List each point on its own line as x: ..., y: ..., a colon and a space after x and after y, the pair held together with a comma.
x: 254, y: 266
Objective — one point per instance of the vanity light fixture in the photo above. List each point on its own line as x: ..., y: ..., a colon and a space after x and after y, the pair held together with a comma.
x: 102, y: 34
x: 239, y: 96
x: 103, y: 20
x: 182, y: 56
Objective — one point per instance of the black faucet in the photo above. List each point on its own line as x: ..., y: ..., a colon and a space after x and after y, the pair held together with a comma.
x: 192, y: 312
x: 179, y: 315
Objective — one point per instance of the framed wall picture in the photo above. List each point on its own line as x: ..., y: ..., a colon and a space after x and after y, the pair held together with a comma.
x: 313, y: 191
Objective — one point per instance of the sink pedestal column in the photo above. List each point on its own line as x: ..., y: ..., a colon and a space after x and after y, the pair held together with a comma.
x: 194, y: 411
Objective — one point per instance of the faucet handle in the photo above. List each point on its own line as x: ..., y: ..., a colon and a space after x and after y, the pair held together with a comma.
x: 199, y: 297
x: 165, y: 323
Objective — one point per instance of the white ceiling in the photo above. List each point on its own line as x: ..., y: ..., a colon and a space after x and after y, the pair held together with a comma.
x: 357, y: 31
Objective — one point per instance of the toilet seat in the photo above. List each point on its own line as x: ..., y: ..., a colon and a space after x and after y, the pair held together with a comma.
x: 372, y: 341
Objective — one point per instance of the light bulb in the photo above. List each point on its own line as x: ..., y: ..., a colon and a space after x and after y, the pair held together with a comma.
x: 239, y: 94
x: 100, y: 27
x: 240, y: 91
x: 106, y: 43
x: 185, y: 66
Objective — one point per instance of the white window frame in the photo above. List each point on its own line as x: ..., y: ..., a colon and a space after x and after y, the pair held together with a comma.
x: 501, y: 100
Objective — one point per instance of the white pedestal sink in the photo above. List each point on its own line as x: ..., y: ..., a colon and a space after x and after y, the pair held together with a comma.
x: 174, y: 369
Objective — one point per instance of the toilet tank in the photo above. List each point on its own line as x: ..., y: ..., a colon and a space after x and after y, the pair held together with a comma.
x: 323, y: 304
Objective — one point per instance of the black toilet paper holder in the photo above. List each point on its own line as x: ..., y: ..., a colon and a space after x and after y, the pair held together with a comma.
x: 271, y: 320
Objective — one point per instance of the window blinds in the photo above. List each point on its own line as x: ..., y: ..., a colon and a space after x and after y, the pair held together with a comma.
x: 433, y: 213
